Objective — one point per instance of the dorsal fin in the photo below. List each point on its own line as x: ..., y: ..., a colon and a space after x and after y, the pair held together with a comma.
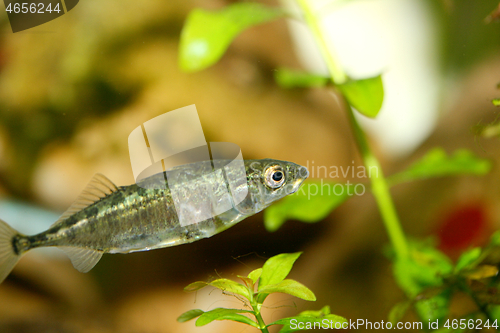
x: 98, y: 187
x: 82, y: 259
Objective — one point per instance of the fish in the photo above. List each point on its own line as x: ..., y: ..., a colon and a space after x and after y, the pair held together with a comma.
x: 143, y: 216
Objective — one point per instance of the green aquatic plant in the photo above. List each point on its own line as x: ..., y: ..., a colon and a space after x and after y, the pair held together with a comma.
x: 425, y: 274
x: 256, y: 286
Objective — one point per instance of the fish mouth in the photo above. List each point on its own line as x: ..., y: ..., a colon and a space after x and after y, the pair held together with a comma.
x: 302, y: 174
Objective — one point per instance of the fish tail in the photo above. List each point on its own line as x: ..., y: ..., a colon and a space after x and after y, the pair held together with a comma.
x: 9, y: 255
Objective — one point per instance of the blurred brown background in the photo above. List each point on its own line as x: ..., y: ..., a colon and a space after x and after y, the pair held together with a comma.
x: 73, y: 89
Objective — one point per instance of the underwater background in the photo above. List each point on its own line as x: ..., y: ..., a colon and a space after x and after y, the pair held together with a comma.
x: 73, y: 89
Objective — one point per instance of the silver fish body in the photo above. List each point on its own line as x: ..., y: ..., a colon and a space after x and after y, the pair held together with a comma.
x: 145, y: 216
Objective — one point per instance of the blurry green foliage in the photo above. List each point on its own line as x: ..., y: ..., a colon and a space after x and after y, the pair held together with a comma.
x: 437, y: 164
x: 467, y: 259
x: 288, y: 78
x: 487, y: 131
x: 425, y: 268
x: 309, y: 318
x: 225, y: 314
x: 365, y: 95
x: 424, y: 273
x: 207, y: 34
x: 464, y: 37
x: 317, y: 198
x: 430, y: 280
x: 312, y: 203
x: 494, y: 15
x: 398, y: 311
x: 255, y: 288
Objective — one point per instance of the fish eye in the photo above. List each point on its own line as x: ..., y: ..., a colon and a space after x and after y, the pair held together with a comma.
x: 274, y: 176
x: 277, y: 176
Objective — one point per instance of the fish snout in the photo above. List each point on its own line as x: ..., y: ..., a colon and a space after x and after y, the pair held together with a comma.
x: 303, y: 172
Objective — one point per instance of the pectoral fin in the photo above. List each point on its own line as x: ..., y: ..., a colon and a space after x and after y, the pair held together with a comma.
x: 82, y: 259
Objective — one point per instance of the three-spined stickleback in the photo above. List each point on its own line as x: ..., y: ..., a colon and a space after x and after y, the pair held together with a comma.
x: 155, y: 213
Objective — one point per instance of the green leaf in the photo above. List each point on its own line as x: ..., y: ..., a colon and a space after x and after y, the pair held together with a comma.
x: 435, y: 307
x: 276, y: 268
x: 288, y: 78
x: 365, y: 95
x: 437, y: 164
x: 493, y: 311
x: 195, y: 286
x: 307, y: 319
x: 421, y: 276
x: 225, y: 314
x: 467, y: 258
x: 495, y: 238
x: 480, y: 272
x: 316, y: 313
x: 425, y: 268
x: 491, y: 253
x: 188, y: 315
x: 496, y: 102
x: 206, y: 35
x: 311, y: 203
x: 255, y: 274
x: 487, y: 131
x: 227, y: 285
x: 493, y: 16
x: 223, y: 284
x: 247, y: 281
x: 290, y: 287
x: 398, y: 311
x: 484, y: 293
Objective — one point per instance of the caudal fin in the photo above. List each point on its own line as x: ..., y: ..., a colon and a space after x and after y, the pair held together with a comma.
x: 8, y: 256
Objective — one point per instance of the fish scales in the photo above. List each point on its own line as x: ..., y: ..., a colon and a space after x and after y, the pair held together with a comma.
x: 116, y: 223
x: 145, y: 216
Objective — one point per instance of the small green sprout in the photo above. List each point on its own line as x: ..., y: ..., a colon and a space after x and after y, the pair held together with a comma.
x: 259, y: 283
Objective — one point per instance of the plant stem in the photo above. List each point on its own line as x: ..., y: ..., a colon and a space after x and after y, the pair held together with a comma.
x: 263, y: 327
x: 338, y: 75
x: 380, y: 189
x: 262, y: 324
